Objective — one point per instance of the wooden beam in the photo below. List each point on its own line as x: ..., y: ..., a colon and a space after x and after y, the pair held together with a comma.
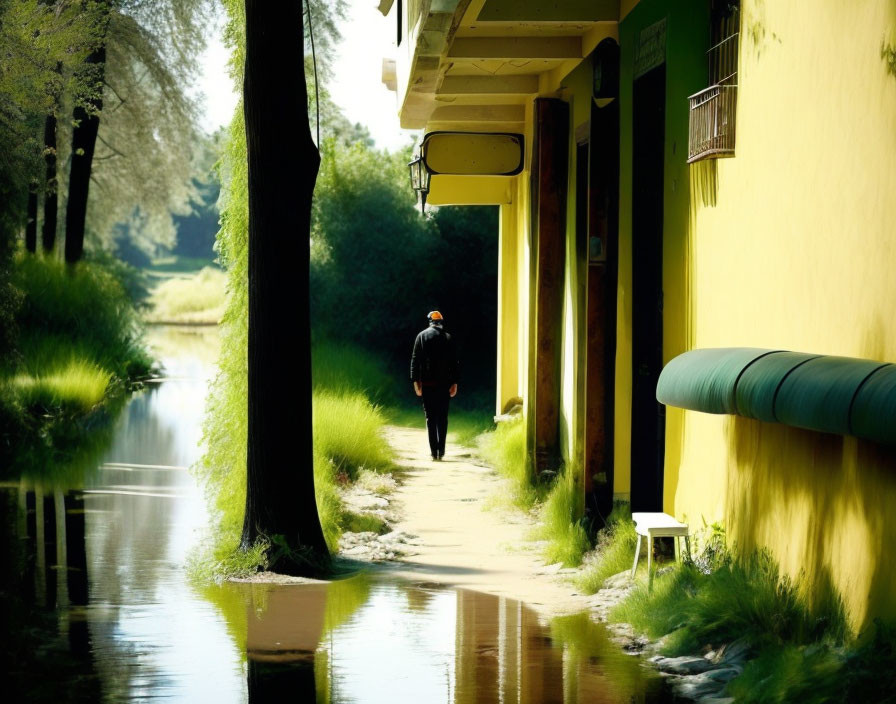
x: 523, y: 84
x: 552, y: 150
x: 513, y: 48
x: 479, y: 113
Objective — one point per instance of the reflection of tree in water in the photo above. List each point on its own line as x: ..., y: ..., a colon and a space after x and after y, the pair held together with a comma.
x: 41, y: 570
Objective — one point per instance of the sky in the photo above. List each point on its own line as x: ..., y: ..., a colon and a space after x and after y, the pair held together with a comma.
x: 356, y: 86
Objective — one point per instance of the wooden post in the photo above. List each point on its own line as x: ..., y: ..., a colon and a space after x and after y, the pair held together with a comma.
x: 551, y: 163
x: 600, y: 342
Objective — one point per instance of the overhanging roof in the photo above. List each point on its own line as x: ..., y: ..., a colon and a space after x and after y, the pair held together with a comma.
x: 474, y: 64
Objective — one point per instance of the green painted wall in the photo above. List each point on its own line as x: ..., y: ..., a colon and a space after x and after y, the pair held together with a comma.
x: 687, y: 38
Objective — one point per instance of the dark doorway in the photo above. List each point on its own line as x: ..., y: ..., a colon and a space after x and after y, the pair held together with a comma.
x: 648, y: 416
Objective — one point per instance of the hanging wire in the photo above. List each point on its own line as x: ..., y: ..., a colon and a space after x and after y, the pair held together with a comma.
x: 314, y: 63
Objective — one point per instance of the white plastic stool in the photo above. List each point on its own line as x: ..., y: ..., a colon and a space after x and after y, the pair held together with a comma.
x: 658, y: 525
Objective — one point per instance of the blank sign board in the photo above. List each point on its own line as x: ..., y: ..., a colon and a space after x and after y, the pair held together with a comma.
x: 473, y: 153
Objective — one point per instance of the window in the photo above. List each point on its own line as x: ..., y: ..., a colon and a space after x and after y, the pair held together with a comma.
x: 714, y: 109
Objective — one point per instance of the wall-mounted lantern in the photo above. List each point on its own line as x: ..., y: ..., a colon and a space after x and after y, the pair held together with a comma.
x: 475, y: 154
x: 420, y: 176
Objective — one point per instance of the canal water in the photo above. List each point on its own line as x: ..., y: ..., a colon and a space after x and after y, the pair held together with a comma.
x: 96, y: 604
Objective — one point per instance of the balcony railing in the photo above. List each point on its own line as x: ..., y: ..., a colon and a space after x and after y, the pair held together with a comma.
x: 712, y: 123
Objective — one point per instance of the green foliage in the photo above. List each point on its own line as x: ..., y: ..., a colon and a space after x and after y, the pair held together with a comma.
x: 613, y: 552
x: 342, y: 452
x: 505, y: 450
x: 347, y: 432
x: 561, y: 520
x: 747, y: 599
x: 147, y: 130
x: 821, y: 673
x: 74, y: 387
x: 85, y: 309
x: 377, y: 267
x: 78, y: 347
x: 344, y: 367
x: 465, y: 426
x: 199, y: 298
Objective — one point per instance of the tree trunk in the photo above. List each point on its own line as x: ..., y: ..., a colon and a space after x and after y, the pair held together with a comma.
x: 87, y: 125
x: 283, y: 165
x: 31, y: 221
x: 51, y: 196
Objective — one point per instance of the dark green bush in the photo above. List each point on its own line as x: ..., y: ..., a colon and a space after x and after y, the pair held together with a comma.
x: 83, y: 310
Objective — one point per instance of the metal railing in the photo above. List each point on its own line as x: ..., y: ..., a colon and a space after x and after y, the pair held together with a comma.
x: 712, y: 122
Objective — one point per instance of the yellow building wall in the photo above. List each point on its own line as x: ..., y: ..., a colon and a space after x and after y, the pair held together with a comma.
x: 508, y: 308
x: 793, y: 246
x: 577, y: 90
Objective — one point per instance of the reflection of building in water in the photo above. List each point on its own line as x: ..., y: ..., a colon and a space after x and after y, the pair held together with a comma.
x: 507, y: 654
x: 504, y: 654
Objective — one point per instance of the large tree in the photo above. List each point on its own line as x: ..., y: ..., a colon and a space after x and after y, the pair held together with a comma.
x: 134, y: 132
x: 84, y: 134
x: 283, y: 165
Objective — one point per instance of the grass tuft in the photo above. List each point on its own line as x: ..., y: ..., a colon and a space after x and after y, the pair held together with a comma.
x: 613, y: 552
x: 505, y: 450
x: 464, y: 426
x: 347, y: 431
x: 746, y: 599
x: 560, y: 520
x: 75, y: 387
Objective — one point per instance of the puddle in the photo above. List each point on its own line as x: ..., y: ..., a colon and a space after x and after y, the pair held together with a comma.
x: 96, y: 605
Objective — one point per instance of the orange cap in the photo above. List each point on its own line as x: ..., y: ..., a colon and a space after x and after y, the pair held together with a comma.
x: 434, y: 315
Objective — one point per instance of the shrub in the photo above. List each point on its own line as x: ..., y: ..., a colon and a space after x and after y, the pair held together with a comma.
x: 84, y: 308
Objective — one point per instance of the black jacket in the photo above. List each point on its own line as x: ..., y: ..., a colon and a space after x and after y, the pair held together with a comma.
x: 434, y: 360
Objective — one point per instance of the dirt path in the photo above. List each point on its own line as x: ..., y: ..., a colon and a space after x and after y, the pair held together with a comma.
x: 463, y: 542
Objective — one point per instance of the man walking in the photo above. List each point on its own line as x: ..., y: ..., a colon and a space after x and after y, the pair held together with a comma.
x: 434, y: 373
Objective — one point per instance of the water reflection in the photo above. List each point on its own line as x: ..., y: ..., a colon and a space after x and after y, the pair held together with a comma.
x: 97, y: 607
x: 359, y: 640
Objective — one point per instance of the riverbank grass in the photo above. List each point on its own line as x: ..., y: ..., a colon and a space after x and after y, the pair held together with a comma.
x: 77, y: 347
x: 195, y: 299
x: 743, y: 599
x: 613, y: 551
x: 796, y: 649
x: 505, y: 450
x: 349, y: 446
x: 75, y: 387
x: 561, y: 520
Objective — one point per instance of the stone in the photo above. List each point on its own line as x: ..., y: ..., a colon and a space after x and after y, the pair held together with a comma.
x: 724, y: 674
x: 551, y: 569
x: 367, y: 501
x: 357, y: 550
x: 735, y: 652
x: 697, y: 686
x: 684, y: 665
x: 619, y: 580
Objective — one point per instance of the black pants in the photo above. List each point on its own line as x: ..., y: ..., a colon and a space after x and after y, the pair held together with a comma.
x: 435, y: 406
